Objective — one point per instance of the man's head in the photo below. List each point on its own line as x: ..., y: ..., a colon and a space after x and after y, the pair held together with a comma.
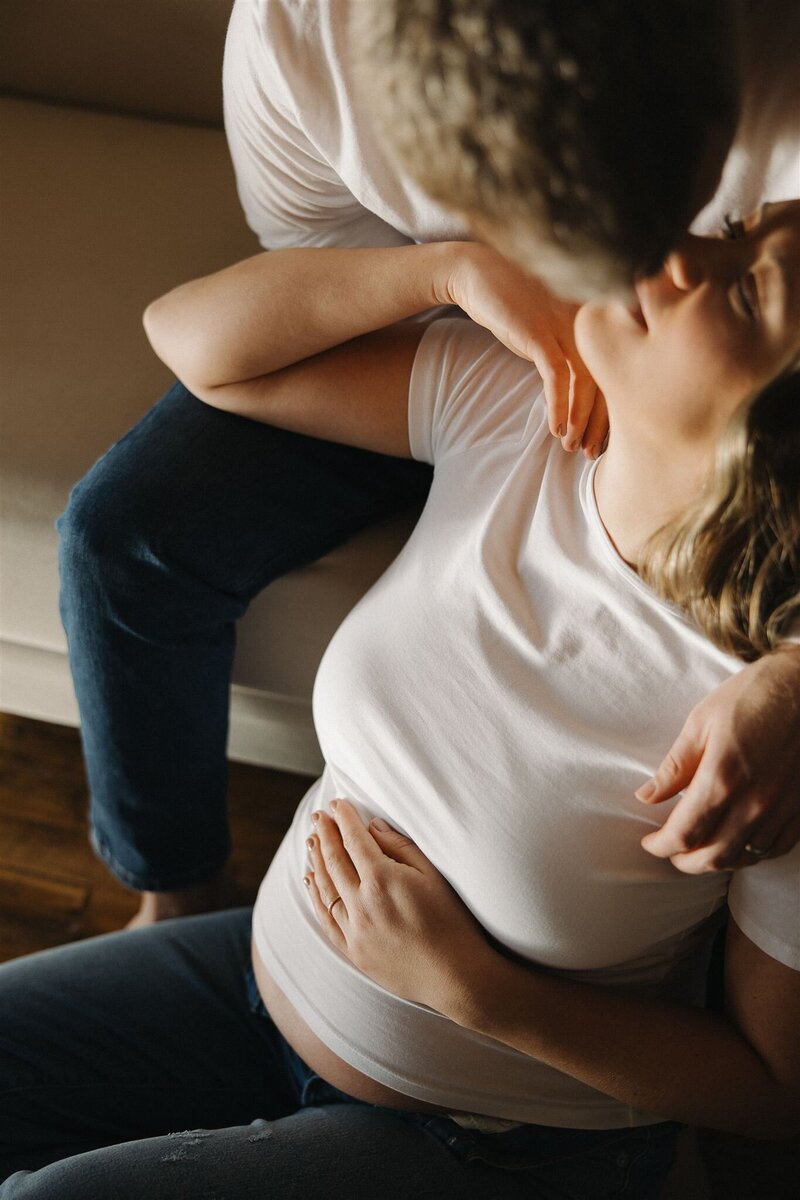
x: 580, y: 138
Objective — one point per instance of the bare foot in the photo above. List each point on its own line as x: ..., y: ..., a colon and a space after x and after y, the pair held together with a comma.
x: 212, y: 894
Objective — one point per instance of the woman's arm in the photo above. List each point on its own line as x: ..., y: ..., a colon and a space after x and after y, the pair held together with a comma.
x: 738, y: 1072
x: 403, y: 925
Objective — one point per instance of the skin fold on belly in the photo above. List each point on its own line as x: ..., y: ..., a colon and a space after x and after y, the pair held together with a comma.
x: 324, y: 1062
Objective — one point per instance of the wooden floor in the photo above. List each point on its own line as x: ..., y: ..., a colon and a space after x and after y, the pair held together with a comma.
x: 53, y: 889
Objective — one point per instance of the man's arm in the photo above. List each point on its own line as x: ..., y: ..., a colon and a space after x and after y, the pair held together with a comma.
x: 309, y: 340
x: 738, y: 759
x: 312, y: 340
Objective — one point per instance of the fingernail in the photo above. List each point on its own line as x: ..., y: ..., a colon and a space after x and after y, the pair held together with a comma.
x: 646, y: 790
x: 307, y: 881
x: 311, y: 843
x: 379, y: 823
x: 315, y: 817
x: 594, y: 451
x: 562, y: 429
x: 333, y: 805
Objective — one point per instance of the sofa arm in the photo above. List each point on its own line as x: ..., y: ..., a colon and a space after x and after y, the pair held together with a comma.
x: 160, y: 58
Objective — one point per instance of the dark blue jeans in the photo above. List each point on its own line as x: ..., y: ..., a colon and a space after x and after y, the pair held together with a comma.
x: 142, y: 1064
x: 163, y: 545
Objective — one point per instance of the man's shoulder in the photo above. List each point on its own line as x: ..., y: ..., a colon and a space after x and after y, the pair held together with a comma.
x: 304, y: 42
x: 312, y: 24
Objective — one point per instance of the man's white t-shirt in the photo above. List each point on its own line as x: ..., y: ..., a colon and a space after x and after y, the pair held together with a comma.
x: 311, y: 170
x: 498, y: 696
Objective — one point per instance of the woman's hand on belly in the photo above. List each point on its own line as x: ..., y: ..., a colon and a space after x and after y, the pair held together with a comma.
x: 397, y: 918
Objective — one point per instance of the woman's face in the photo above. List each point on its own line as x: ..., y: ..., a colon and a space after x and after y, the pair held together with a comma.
x: 720, y: 320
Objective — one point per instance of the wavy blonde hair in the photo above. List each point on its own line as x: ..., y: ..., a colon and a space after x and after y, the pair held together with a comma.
x: 732, y: 562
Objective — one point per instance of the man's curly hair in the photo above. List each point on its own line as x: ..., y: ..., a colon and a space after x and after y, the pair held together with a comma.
x: 575, y: 130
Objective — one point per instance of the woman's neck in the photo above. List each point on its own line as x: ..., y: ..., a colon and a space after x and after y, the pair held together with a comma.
x: 641, y: 484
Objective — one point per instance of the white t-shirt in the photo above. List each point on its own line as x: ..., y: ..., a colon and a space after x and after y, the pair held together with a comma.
x: 498, y: 696
x: 311, y: 170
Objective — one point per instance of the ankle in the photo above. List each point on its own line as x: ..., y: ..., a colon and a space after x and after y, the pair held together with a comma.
x: 184, y: 901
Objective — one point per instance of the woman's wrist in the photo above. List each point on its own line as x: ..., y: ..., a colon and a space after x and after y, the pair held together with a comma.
x: 472, y: 998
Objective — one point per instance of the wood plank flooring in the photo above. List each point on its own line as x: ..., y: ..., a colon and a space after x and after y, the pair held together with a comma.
x: 53, y: 889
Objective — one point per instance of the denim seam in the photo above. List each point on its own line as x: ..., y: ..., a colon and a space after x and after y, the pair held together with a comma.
x: 149, y: 883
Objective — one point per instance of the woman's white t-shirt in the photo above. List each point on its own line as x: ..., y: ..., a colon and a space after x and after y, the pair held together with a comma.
x: 498, y: 695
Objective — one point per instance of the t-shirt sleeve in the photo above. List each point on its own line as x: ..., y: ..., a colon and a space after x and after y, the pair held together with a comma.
x: 764, y: 901
x: 466, y: 388
x: 276, y: 73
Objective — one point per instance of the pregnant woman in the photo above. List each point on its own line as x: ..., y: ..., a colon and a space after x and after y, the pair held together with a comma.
x: 500, y: 995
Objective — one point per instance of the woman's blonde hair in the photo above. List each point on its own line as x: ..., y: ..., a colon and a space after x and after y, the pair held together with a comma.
x: 732, y: 562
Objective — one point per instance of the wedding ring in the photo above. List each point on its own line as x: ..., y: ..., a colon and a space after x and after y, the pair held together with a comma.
x: 754, y: 850
x: 335, y: 898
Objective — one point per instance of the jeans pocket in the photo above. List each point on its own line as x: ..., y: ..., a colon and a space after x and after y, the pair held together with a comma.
x: 647, y: 1170
x: 633, y: 1165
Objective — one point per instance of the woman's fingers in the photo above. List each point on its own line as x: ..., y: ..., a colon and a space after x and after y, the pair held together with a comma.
x: 326, y: 888
x: 354, y: 836
x: 333, y: 867
x: 397, y: 846
x: 328, y: 918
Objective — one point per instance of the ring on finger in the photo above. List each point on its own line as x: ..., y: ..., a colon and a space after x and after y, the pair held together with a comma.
x: 330, y: 906
x: 757, y: 851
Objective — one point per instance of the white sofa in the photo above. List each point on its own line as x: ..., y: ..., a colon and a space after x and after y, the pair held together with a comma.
x: 116, y: 185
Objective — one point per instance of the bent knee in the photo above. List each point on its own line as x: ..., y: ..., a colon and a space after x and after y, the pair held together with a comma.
x: 102, y: 523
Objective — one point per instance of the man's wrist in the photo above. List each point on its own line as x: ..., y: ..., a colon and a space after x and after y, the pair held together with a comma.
x: 449, y: 257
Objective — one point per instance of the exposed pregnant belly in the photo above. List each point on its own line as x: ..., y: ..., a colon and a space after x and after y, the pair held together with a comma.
x: 323, y: 1061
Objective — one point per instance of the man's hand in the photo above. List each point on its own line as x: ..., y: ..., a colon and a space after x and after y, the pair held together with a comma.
x: 529, y: 319
x: 738, y: 759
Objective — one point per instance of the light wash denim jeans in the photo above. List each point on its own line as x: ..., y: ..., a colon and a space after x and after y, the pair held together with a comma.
x: 142, y: 1065
x: 163, y: 545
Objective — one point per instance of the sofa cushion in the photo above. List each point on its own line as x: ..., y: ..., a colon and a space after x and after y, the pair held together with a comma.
x: 157, y: 57
x: 101, y: 214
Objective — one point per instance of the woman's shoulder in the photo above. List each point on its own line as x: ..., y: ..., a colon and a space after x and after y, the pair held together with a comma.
x: 467, y: 390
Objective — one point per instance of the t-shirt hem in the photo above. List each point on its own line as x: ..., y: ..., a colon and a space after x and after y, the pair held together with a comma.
x: 783, y: 953
x: 575, y: 1116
